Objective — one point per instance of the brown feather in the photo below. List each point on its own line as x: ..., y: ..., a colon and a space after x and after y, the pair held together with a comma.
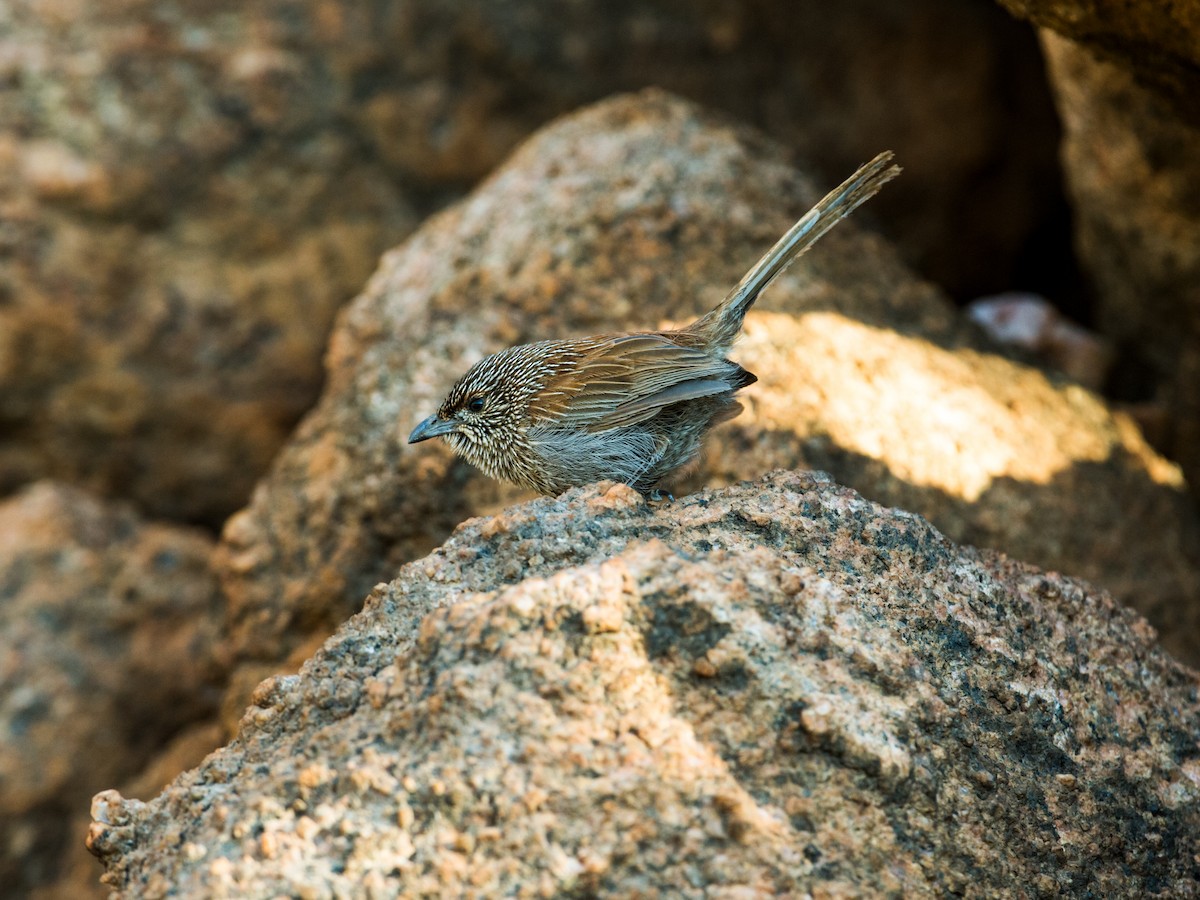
x: 616, y: 380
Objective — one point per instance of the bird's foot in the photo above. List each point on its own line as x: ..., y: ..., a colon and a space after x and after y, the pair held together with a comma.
x: 657, y: 496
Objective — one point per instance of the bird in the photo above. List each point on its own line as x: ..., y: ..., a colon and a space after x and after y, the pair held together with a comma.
x: 631, y: 407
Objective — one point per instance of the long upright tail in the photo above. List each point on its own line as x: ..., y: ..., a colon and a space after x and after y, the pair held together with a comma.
x: 721, y: 325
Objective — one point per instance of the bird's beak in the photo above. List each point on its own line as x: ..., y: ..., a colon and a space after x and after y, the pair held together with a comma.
x: 430, y: 428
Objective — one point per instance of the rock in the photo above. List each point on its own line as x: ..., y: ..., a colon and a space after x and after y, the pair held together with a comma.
x: 990, y: 450
x: 188, y: 193
x: 774, y: 689
x: 642, y: 210
x: 76, y: 871
x: 1159, y: 43
x: 107, y: 634
x: 1130, y: 159
x: 182, y: 213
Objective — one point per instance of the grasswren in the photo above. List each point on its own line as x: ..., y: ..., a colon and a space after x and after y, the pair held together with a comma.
x: 632, y: 406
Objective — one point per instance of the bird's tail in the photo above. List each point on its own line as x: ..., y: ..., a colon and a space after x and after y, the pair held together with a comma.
x: 721, y: 326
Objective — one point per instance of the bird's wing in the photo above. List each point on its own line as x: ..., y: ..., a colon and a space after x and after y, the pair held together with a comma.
x: 626, y: 379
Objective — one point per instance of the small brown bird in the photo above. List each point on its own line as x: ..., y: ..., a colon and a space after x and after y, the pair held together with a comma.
x: 630, y: 407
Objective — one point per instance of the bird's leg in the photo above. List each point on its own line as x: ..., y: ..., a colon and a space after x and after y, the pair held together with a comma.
x: 657, y: 496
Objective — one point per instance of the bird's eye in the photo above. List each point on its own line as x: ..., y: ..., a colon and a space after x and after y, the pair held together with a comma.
x: 475, y: 404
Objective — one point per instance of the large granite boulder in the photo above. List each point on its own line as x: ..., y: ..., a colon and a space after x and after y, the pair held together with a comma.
x: 777, y: 688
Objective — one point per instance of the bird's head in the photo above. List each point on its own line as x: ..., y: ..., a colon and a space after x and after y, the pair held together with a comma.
x: 485, y: 409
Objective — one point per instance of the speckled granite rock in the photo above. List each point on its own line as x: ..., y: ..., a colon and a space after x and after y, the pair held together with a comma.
x: 1131, y: 164
x: 1159, y: 42
x: 189, y: 190
x: 107, y: 634
x: 643, y: 209
x: 993, y: 451
x: 773, y: 689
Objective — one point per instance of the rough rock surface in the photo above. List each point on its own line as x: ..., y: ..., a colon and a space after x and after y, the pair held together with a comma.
x: 773, y: 689
x: 188, y: 190
x: 1158, y: 42
x: 991, y: 450
x: 76, y: 871
x: 1131, y: 166
x: 640, y: 210
x: 107, y: 630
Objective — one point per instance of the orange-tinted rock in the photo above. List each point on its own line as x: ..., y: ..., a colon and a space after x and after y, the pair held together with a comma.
x: 183, y: 211
x: 773, y: 689
x: 1131, y: 165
